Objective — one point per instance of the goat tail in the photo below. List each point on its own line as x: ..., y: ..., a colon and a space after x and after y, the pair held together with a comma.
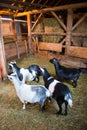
x: 70, y: 102
x: 68, y: 98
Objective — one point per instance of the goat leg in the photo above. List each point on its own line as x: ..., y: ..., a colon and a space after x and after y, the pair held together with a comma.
x: 42, y: 103
x: 66, y: 109
x: 24, y: 105
x: 60, y: 109
x: 74, y: 84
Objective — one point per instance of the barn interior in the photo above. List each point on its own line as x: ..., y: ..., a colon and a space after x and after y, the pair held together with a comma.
x: 43, y: 28
x: 33, y: 32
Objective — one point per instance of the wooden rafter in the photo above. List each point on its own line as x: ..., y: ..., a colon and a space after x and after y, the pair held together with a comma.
x: 10, y: 6
x: 64, y: 7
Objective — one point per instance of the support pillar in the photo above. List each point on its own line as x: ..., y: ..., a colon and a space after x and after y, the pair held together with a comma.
x: 69, y: 27
x: 2, y: 54
x: 29, y: 33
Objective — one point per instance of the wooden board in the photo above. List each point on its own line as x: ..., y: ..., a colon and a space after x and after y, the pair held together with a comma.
x: 11, y: 50
x: 80, y: 52
x: 50, y: 46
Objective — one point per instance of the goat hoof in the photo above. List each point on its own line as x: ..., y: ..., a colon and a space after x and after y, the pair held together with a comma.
x: 74, y: 85
x: 43, y: 109
x: 59, y: 113
x: 65, y: 113
x: 23, y: 108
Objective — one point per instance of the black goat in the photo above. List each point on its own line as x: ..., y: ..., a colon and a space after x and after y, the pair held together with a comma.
x: 25, y: 74
x: 59, y: 91
x: 64, y: 73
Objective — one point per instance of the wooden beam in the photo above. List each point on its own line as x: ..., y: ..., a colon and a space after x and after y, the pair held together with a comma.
x: 63, y: 41
x: 7, y: 12
x: 2, y: 53
x: 79, y: 34
x: 36, y: 22
x: 9, y: 6
x: 48, y: 33
x: 64, y: 7
x: 59, y: 20
x: 21, y: 14
x: 17, y: 48
x: 50, y: 46
x: 79, y: 21
x: 29, y: 32
x: 69, y: 26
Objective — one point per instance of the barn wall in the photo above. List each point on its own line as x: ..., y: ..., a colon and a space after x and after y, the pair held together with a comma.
x: 50, y: 31
x: 15, y: 49
x: 15, y: 43
x: 81, y: 41
x: 7, y: 27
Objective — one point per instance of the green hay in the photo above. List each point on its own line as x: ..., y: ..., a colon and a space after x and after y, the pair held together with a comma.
x: 12, y: 117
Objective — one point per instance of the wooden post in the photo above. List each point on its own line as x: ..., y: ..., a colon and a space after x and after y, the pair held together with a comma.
x: 26, y: 49
x: 29, y: 33
x: 17, y: 48
x: 69, y: 28
x: 2, y: 54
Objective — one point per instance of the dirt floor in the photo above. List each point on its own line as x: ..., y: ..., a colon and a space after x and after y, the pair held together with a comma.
x: 12, y: 117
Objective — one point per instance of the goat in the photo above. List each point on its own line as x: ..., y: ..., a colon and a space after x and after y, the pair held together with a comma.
x: 25, y: 74
x: 64, y: 73
x: 59, y: 91
x: 29, y: 93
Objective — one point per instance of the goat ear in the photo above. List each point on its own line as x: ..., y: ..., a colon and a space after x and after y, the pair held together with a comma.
x: 14, y: 74
x: 15, y: 62
x: 8, y: 76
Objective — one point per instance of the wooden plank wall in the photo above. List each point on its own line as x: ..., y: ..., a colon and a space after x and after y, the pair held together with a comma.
x: 80, y: 52
x: 50, y: 46
x: 11, y: 50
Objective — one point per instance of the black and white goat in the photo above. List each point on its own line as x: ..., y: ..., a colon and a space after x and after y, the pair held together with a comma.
x: 25, y: 74
x: 59, y: 91
x: 29, y: 93
x: 69, y: 74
